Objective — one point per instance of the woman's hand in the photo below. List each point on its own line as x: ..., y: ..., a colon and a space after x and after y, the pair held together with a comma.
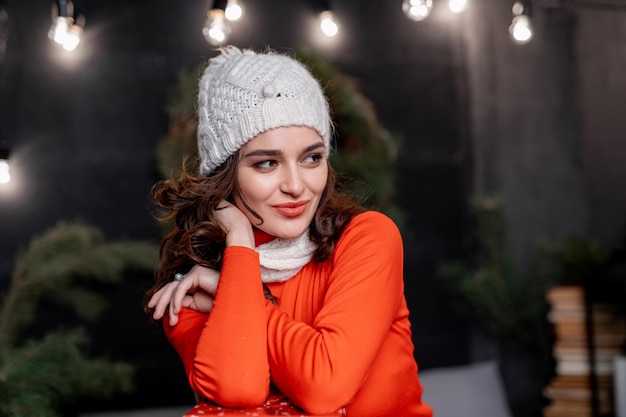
x: 195, y: 290
x: 235, y: 223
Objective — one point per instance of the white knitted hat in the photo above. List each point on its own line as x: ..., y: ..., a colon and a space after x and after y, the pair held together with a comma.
x: 243, y: 93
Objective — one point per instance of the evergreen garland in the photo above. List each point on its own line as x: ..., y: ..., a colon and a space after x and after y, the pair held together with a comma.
x: 364, y: 152
x: 505, y: 300
x: 38, y: 376
x: 490, y: 288
x: 509, y: 302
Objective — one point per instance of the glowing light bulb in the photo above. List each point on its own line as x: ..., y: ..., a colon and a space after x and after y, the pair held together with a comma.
x: 215, y: 29
x: 234, y: 10
x: 328, y: 24
x: 5, y: 176
x: 518, y: 8
x: 72, y: 38
x: 417, y: 9
x: 521, y: 29
x: 457, y: 6
x: 59, y: 29
x: 66, y: 31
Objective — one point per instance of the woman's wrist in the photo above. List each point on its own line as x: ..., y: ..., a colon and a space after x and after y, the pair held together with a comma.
x: 243, y: 237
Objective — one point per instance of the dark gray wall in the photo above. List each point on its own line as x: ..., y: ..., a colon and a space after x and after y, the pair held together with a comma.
x: 546, y: 132
x: 600, y: 60
x: 525, y: 134
x: 84, y: 131
x: 539, y: 124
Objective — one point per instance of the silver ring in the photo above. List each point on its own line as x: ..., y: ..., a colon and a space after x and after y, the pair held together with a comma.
x: 178, y: 276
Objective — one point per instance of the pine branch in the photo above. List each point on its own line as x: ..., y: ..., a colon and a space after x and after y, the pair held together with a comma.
x: 43, y: 373
x: 489, y: 288
x: 55, y: 262
x: 39, y: 375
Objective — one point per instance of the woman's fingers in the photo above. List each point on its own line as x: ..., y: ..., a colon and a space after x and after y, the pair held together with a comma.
x: 224, y: 204
x: 235, y: 223
x: 199, y: 301
x: 184, y: 286
x: 161, y: 299
x: 155, y: 297
x: 173, y: 316
x: 194, y: 290
x: 205, y: 278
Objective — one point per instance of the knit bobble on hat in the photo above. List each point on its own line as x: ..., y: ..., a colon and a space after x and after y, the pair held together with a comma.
x: 242, y: 94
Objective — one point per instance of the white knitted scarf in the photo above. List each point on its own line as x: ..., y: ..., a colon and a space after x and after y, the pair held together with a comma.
x: 281, y: 259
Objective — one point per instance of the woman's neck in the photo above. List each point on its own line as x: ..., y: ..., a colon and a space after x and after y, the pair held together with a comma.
x: 260, y: 237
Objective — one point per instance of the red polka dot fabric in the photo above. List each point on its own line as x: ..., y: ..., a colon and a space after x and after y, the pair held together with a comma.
x: 274, y: 406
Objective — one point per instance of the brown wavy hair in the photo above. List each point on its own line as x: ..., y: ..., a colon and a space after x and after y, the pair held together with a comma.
x: 196, y: 239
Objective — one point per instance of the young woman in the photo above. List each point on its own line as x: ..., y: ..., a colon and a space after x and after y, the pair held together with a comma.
x: 271, y: 280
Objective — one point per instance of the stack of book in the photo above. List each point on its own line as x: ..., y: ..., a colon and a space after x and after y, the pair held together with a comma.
x: 584, y: 360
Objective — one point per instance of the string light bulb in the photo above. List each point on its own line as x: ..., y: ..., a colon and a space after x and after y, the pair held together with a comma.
x: 417, y: 9
x: 328, y: 24
x: 234, y: 10
x: 521, y: 28
x: 58, y: 30
x: 216, y: 30
x: 457, y: 6
x: 5, y: 175
x: 66, y: 29
x: 73, y: 35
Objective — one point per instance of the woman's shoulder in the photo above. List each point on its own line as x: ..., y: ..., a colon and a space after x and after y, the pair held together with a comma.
x: 372, y: 219
x: 371, y: 225
x: 370, y: 238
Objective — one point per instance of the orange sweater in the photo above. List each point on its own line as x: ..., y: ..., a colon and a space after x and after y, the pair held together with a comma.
x: 340, y: 336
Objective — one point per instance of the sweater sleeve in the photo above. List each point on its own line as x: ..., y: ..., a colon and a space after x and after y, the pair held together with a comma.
x: 321, y: 366
x: 225, y: 352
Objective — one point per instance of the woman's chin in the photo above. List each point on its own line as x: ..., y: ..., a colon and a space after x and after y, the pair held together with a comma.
x: 286, y: 232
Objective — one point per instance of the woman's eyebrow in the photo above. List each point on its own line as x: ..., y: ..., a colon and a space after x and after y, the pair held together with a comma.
x: 262, y: 152
x: 314, y: 147
x: 276, y: 152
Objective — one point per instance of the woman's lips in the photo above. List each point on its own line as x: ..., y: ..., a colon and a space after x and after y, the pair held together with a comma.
x: 291, y: 209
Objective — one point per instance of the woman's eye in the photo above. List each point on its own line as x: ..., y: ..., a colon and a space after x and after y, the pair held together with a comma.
x: 265, y: 165
x: 313, y: 158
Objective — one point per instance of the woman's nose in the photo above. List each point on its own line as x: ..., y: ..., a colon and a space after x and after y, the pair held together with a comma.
x: 292, y: 182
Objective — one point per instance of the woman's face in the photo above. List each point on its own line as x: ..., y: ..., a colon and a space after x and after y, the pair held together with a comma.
x: 281, y: 175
